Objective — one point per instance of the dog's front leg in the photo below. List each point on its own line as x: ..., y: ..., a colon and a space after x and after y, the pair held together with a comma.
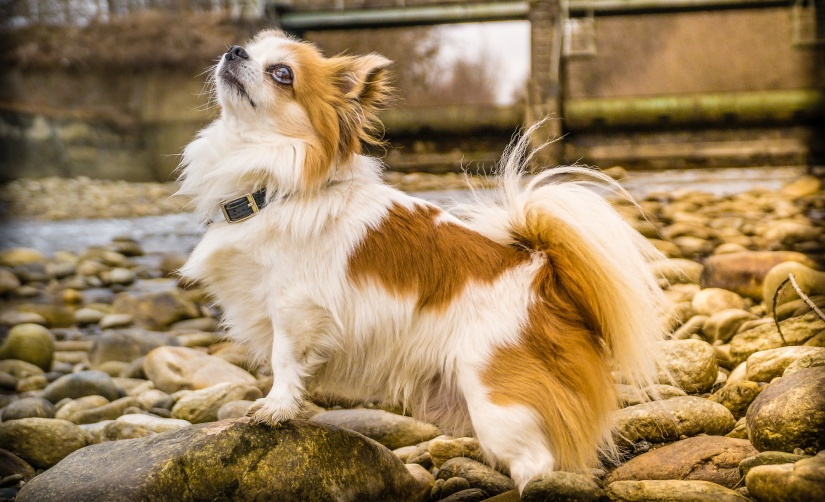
x: 284, y: 400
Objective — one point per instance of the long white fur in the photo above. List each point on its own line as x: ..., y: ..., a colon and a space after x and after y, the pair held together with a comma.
x: 281, y: 279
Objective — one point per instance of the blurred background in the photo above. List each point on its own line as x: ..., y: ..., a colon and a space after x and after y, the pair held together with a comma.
x: 113, y: 89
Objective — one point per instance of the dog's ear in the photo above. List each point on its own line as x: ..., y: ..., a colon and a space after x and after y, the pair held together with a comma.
x: 364, y: 87
x: 365, y: 80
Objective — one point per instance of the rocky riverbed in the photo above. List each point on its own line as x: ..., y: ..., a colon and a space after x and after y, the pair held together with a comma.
x: 116, y: 382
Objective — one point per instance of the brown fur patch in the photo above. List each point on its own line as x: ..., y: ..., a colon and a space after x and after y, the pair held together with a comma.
x: 559, y: 367
x: 412, y: 254
x: 341, y: 96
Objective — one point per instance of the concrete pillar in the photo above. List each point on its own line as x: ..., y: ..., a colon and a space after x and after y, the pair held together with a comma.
x: 544, y: 93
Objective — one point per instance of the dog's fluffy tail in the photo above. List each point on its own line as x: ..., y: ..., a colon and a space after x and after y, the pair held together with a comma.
x: 597, y: 258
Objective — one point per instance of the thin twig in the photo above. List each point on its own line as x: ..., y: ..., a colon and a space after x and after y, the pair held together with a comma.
x: 805, y: 298
x: 775, y: 318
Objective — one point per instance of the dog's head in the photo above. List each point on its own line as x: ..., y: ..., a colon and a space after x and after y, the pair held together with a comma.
x: 282, y: 86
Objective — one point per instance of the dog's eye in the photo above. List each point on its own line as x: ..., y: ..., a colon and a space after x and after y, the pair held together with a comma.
x: 281, y: 73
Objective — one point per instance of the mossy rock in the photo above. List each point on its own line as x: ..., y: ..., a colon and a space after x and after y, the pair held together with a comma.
x: 231, y: 460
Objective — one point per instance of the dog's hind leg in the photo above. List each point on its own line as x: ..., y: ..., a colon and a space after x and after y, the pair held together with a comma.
x: 511, y: 435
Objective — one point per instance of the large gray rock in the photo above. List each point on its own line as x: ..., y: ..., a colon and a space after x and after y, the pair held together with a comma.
x: 479, y: 475
x: 662, y: 421
x: 705, y: 458
x: 231, y: 460
x: 562, y: 486
x: 389, y: 429
x: 42, y: 442
x: 691, y: 364
x: 83, y: 383
x: 671, y: 491
x: 790, y: 413
x: 127, y: 345
x: 31, y: 343
x: 802, y: 481
x: 796, y: 330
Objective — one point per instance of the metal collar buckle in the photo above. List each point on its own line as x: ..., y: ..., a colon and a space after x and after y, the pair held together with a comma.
x: 244, y: 207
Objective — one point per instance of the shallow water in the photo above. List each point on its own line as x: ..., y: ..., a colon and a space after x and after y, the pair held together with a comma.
x: 181, y: 232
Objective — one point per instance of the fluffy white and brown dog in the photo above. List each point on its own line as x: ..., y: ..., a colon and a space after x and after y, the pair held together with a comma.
x: 504, y: 323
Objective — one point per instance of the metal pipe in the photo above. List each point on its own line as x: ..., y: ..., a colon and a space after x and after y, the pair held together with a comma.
x: 299, y: 21
x: 403, y: 16
x: 712, y: 108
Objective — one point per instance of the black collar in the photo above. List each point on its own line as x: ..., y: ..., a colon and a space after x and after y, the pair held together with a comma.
x: 244, y: 207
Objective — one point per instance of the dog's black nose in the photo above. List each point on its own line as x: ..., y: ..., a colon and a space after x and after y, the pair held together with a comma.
x: 236, y: 51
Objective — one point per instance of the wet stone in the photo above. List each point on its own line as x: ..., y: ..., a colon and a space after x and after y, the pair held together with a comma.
x: 737, y: 397
x: 118, y: 431
x: 19, y: 369
x: 790, y: 413
x: 30, y: 407
x: 202, y: 405
x: 29, y: 342
x: 796, y: 330
x: 12, y: 465
x: 68, y: 410
x: 477, y: 474
x: 768, y: 458
x: 712, y: 300
x: 765, y: 365
x: 802, y: 481
x: 42, y: 442
x: 662, y: 421
x: 560, y: 486
x: 179, y: 368
x: 671, y: 491
x: 84, y: 383
x: 156, y: 310
x: 705, y: 458
x: 127, y: 344
x: 389, y: 429
x: 444, y: 448
x: 691, y: 364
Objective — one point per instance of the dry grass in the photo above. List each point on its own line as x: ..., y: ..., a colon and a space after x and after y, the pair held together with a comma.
x: 136, y: 42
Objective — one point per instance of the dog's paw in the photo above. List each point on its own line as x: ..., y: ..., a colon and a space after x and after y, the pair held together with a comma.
x: 272, y: 412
